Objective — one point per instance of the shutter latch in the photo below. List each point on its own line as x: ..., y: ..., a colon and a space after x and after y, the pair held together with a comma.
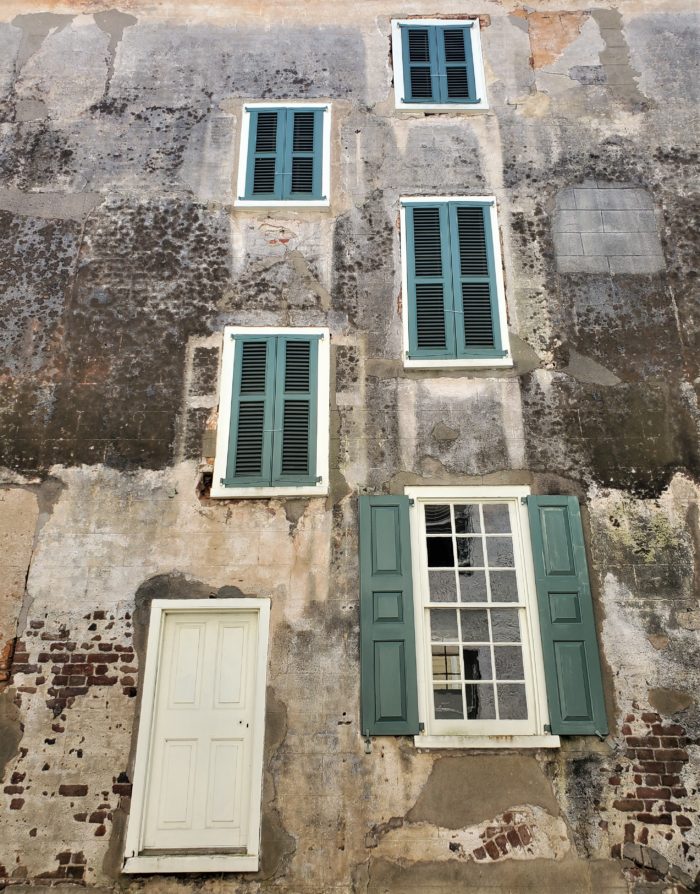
x: 599, y: 734
x: 547, y: 727
x: 368, y: 743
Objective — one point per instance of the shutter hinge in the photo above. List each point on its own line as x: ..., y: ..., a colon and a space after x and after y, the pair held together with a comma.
x: 319, y: 479
x: 421, y: 727
x: 368, y: 743
x: 599, y: 734
x: 222, y: 481
x: 547, y: 726
x: 411, y: 501
x: 523, y: 501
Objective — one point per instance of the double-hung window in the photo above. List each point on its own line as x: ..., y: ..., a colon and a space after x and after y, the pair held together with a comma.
x: 455, y: 312
x: 476, y: 617
x: 437, y: 65
x: 285, y: 155
x: 272, y: 437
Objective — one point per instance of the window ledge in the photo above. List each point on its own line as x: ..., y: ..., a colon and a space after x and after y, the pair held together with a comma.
x: 475, y: 363
x: 282, y: 203
x: 192, y: 863
x: 442, y: 107
x: 250, y: 493
x: 486, y: 741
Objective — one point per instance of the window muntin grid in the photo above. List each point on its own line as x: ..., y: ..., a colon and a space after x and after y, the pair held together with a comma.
x: 475, y: 613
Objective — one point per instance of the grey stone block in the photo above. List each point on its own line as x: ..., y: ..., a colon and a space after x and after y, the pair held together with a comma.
x: 613, y: 199
x: 565, y: 199
x: 578, y: 222
x: 613, y: 37
x: 620, y: 244
x: 629, y: 221
x: 582, y: 264
x: 588, y: 74
x: 568, y: 244
x: 640, y: 264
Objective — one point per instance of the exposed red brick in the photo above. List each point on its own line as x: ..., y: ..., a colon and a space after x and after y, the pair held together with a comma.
x: 671, y: 754
x: 16, y: 803
x: 679, y: 792
x: 524, y: 834
x: 73, y: 791
x: 122, y: 788
x: 644, y: 754
x: 662, y: 819
x: 479, y: 854
x: 643, y: 837
x: 502, y: 843
x: 80, y: 817
x: 652, y: 780
x: 492, y: 850
x: 75, y: 871
x: 513, y: 838
x: 616, y: 851
x: 97, y: 816
x: 614, y: 780
x: 659, y: 794
x: 63, y: 857
x: 650, y: 717
x: 13, y: 789
x: 100, y: 831
x: 671, y: 806
x: 628, y: 805
x: 683, y: 822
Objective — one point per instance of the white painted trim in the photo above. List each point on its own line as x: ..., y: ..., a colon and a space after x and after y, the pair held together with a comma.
x: 488, y: 734
x: 479, y: 79
x: 320, y: 489
x: 325, y: 159
x: 134, y: 860
x: 455, y: 363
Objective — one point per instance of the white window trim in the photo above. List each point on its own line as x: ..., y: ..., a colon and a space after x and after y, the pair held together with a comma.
x: 540, y: 737
x: 320, y: 489
x: 240, y: 202
x: 479, y: 79
x: 505, y: 362
x: 134, y: 861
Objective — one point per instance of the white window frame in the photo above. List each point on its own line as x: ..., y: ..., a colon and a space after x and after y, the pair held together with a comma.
x: 445, y: 362
x: 490, y: 734
x: 320, y: 489
x: 477, y: 57
x: 325, y: 202
x: 134, y: 861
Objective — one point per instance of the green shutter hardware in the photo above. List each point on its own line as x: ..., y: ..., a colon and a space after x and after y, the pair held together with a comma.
x: 452, y: 295
x: 274, y: 411
x: 569, y: 642
x: 387, y: 636
x: 438, y: 64
x: 285, y: 154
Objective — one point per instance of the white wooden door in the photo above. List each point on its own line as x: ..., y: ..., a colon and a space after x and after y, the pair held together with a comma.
x: 199, y: 781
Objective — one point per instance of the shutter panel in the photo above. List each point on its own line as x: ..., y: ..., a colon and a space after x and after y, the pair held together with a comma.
x: 296, y: 410
x: 456, y: 67
x: 264, y: 175
x: 569, y: 642
x: 477, y: 327
x: 420, y: 63
x: 304, y: 154
x: 252, y: 412
x: 387, y: 635
x: 431, y: 330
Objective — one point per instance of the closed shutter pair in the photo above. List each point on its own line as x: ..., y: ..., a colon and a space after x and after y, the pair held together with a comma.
x: 437, y: 64
x: 274, y: 410
x: 387, y: 633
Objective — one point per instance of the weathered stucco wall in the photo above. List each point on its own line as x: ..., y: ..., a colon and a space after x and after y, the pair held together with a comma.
x: 122, y: 259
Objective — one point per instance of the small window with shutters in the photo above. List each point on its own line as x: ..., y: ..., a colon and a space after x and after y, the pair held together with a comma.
x: 454, y: 310
x: 438, y: 65
x: 285, y: 155
x: 272, y: 437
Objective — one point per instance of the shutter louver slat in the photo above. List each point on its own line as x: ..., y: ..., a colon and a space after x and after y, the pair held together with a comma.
x: 420, y: 63
x: 297, y: 366
x: 474, y: 280
x: 295, y: 438
x: 266, y: 135
x: 296, y: 412
x: 265, y: 153
x: 430, y: 315
x: 473, y: 254
x: 427, y: 241
x: 303, y: 138
x: 249, y: 444
x: 478, y: 318
x: 429, y: 280
x: 418, y: 45
x: 303, y: 153
x: 253, y: 367
x: 454, y: 45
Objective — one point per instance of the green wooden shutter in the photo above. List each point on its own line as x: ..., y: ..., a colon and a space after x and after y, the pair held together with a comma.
x: 477, y: 326
x: 304, y: 154
x: 296, y: 410
x: 420, y: 63
x: 569, y: 642
x: 249, y: 461
x: 265, y: 170
x: 456, y: 67
x: 430, y: 303
x: 387, y: 635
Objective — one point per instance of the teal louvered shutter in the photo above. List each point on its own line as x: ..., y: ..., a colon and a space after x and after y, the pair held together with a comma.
x: 265, y: 168
x: 569, y: 642
x: 296, y: 410
x: 455, y: 63
x: 249, y: 460
x: 477, y: 325
x: 304, y: 154
x: 430, y: 305
x: 387, y: 636
x: 420, y: 63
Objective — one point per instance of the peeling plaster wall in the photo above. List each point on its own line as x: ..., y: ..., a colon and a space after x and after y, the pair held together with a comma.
x: 122, y: 259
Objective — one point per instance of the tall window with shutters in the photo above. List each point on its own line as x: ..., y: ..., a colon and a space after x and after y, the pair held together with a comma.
x: 454, y: 313
x: 285, y: 155
x: 272, y: 437
x: 438, y: 65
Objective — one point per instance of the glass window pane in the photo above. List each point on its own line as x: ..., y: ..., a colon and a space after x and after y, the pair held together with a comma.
x: 440, y: 554
x: 509, y: 662
x: 512, y: 704
x: 472, y: 586
x: 442, y: 586
x: 467, y: 519
x: 475, y: 625
x: 470, y: 552
x: 443, y: 625
x: 504, y: 586
x: 437, y: 520
x: 448, y: 703
x: 477, y: 663
x: 505, y: 625
x: 496, y: 518
x: 500, y: 552
x: 481, y: 704
x: 446, y: 663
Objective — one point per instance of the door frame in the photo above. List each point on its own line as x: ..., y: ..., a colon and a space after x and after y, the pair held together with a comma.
x: 135, y: 861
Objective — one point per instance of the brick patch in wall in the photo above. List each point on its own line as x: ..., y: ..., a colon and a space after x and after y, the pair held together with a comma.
x: 500, y: 840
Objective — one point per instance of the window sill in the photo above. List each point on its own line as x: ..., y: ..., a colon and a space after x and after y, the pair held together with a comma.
x: 475, y: 363
x: 486, y: 741
x: 282, y: 203
x: 192, y: 863
x: 442, y: 107
x: 218, y: 491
